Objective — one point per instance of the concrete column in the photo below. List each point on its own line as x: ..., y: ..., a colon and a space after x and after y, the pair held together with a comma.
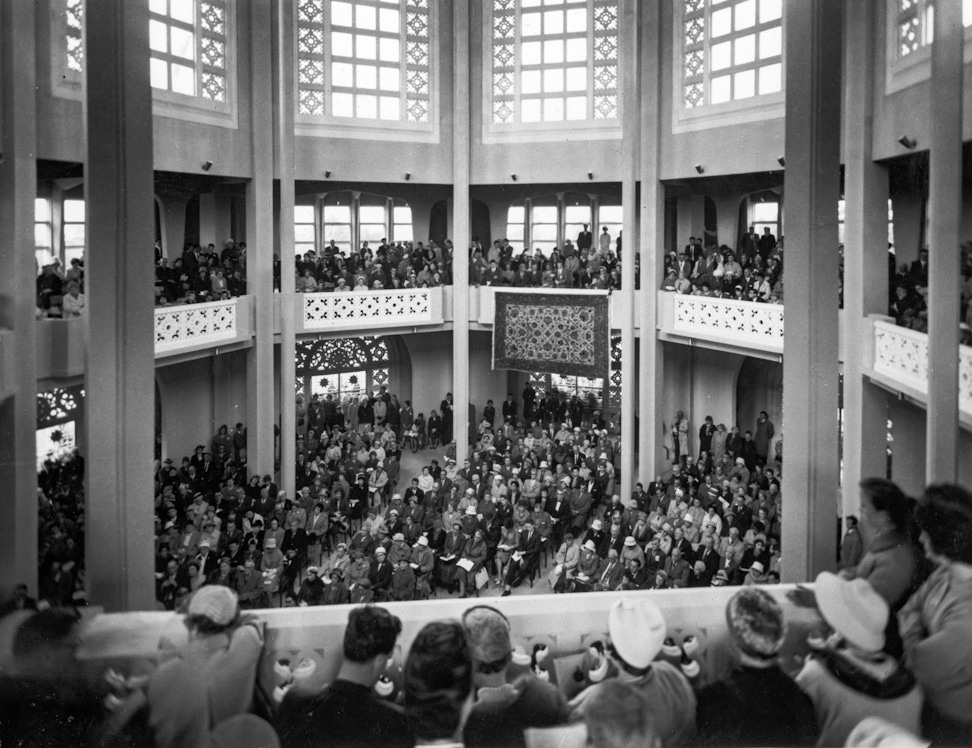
x: 628, y: 26
x: 259, y: 242
x: 460, y: 229
x: 908, y: 425
x: 173, y: 209
x: 944, y: 266
x: 120, y: 370
x: 810, y: 367
x: 18, y: 188
x: 284, y: 156
x: 727, y: 220
x: 652, y: 245
x: 865, y: 258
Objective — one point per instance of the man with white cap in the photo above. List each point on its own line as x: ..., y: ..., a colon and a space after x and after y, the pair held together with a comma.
x: 504, y: 708
x: 212, y: 677
x: 849, y: 677
x: 757, y: 703
x: 380, y: 574
x: 637, y: 631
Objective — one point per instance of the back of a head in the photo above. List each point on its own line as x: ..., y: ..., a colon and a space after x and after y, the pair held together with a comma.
x: 617, y: 716
x: 945, y: 514
x: 371, y: 631
x: 438, y: 680
x: 44, y: 645
x: 887, y: 497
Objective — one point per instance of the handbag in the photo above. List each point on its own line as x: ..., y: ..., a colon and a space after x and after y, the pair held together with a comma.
x: 482, y: 578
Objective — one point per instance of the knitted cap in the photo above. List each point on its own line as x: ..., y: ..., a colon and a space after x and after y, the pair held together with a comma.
x: 756, y: 622
x: 217, y: 603
x: 488, y: 633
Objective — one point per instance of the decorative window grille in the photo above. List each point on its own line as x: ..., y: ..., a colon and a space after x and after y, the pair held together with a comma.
x: 732, y: 50
x: 614, y: 388
x: 188, y: 42
x: 74, y: 35
x: 58, y: 405
x: 554, y: 62
x: 344, y: 367
x: 915, y: 26
x: 364, y: 60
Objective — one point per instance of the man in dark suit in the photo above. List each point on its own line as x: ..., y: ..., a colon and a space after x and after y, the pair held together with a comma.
x: 749, y: 244
x: 528, y: 550
x: 585, y: 240
x: 919, y: 269
x: 767, y: 243
x: 380, y: 574
x: 708, y: 555
x: 445, y: 409
x: 558, y: 507
x: 610, y: 573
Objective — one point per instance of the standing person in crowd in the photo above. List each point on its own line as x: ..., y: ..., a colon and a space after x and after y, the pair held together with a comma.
x: 504, y: 707
x: 637, y: 630
x: 438, y: 681
x: 850, y: 678
x: 212, y: 678
x: 348, y: 713
x: 765, y: 431
x: 757, y: 704
x: 936, y: 623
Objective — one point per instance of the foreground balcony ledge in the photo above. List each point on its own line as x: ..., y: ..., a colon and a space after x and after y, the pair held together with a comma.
x: 566, y: 624
x: 897, y: 357
x: 362, y: 310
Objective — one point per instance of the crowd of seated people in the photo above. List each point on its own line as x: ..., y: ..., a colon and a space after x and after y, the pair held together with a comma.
x: 60, y: 530
x: 752, y: 272
x: 909, y: 294
x: 538, y: 492
x: 388, y: 266
x: 199, y: 275
x: 888, y: 644
x: 60, y: 293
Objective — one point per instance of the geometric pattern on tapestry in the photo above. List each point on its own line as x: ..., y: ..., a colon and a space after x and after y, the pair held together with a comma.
x: 554, y: 333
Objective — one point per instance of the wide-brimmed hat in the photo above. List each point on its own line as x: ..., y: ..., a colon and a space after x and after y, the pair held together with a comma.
x: 853, y: 609
x: 637, y: 630
x: 630, y: 542
x: 589, y: 545
x: 423, y: 541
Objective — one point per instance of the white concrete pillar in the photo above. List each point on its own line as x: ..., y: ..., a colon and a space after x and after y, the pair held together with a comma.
x: 120, y: 370
x: 944, y: 264
x: 810, y: 366
x: 18, y: 188
x: 865, y: 258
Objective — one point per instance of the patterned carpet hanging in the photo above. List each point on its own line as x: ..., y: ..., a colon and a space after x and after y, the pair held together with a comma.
x: 567, y: 334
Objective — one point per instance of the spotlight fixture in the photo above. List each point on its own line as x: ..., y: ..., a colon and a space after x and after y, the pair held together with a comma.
x: 907, y: 142
x: 408, y: 175
x: 781, y: 161
x: 327, y: 174
x: 513, y: 177
x: 699, y: 168
x: 590, y: 175
x: 207, y: 165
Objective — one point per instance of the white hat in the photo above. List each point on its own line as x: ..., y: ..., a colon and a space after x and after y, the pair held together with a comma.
x: 217, y: 603
x: 380, y: 549
x: 396, y: 496
x: 637, y: 630
x: 423, y: 541
x: 596, y: 525
x: 543, y: 464
x: 688, y: 518
x: 589, y: 545
x: 398, y: 536
x: 757, y: 566
x: 630, y: 541
x: 602, y: 456
x: 271, y: 543
x: 853, y: 609
x: 205, y: 544
x: 740, y: 461
x: 679, y: 492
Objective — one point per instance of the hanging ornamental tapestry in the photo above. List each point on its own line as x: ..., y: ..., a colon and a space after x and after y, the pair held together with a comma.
x: 556, y: 333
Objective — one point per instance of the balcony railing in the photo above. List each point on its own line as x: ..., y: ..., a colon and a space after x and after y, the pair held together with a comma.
x: 900, y: 359
x: 744, y: 324
x: 354, y: 310
x: 190, y: 326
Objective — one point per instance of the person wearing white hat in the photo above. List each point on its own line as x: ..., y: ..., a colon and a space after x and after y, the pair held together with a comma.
x: 380, y: 574
x: 212, y: 677
x: 849, y: 677
x: 756, y: 703
x: 587, y: 568
x: 637, y: 631
x: 422, y: 562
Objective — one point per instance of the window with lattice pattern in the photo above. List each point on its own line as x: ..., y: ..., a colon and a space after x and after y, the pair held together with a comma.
x: 553, y: 61
x: 732, y: 50
x: 365, y: 60
x: 915, y: 26
x: 188, y: 43
x: 304, y: 228
x: 43, y: 232
x: 516, y: 227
